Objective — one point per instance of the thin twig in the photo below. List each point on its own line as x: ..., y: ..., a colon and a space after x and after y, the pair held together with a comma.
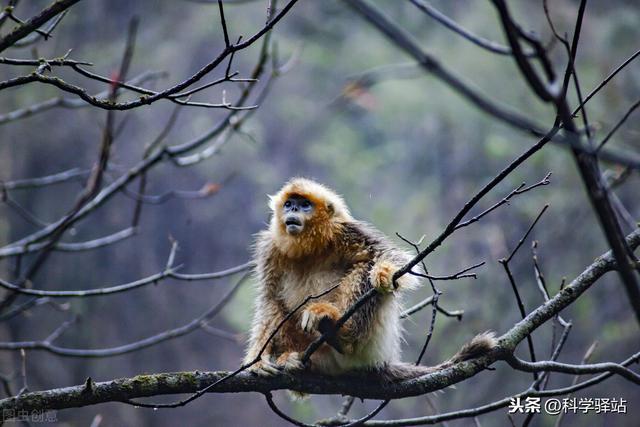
x: 197, y: 323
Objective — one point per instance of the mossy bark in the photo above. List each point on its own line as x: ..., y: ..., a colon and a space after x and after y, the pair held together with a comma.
x: 359, y: 385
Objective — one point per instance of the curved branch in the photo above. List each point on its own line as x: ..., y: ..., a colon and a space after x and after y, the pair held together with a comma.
x: 72, y: 102
x: 43, y: 181
x: 214, y: 275
x: 566, y: 368
x: 169, y: 272
x: 58, y: 62
x: 35, y: 22
x: 151, y: 96
x: 140, y: 168
x: 71, y: 246
x: 434, y: 13
x: 502, y: 403
x: 197, y: 323
x: 431, y: 65
x: 362, y: 385
x: 154, y: 278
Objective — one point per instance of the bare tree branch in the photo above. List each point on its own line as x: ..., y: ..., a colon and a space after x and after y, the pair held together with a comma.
x: 587, y: 163
x: 566, y: 368
x: 197, y: 323
x: 153, y: 279
x: 150, y: 96
x: 72, y: 102
x: 35, y: 22
x: 72, y: 246
x: 363, y: 386
x: 434, y: 13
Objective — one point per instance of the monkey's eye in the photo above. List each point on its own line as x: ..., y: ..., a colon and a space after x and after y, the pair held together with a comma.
x: 305, y: 204
x: 287, y: 204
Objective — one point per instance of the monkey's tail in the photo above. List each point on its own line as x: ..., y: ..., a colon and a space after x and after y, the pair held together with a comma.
x: 480, y: 344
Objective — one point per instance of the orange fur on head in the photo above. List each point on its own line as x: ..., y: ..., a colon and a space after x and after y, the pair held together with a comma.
x: 330, y: 211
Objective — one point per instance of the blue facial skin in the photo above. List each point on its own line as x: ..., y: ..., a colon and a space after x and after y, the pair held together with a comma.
x: 295, y: 209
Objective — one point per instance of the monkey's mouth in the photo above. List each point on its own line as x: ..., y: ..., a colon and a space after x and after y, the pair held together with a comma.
x: 293, y: 221
x: 294, y: 225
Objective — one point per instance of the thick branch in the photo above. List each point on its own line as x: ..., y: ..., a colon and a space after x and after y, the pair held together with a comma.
x: 363, y: 386
x: 587, y: 163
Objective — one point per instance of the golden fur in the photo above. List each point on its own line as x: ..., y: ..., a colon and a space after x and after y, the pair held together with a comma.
x: 332, y: 248
x: 330, y: 212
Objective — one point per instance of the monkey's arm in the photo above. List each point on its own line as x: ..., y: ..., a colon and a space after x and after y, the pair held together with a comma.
x: 322, y: 316
x: 363, y: 242
x: 374, y: 261
x: 375, y: 273
x: 385, y: 266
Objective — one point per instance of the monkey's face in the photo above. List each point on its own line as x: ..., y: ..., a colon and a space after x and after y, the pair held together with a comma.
x: 295, y: 211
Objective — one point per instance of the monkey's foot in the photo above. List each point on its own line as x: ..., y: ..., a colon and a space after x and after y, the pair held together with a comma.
x: 265, y: 367
x: 382, y: 277
x: 314, y: 313
x: 290, y: 361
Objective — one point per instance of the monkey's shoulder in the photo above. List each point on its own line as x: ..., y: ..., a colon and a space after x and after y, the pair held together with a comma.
x: 355, y: 234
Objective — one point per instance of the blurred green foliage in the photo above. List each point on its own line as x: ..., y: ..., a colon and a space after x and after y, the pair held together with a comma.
x: 406, y: 153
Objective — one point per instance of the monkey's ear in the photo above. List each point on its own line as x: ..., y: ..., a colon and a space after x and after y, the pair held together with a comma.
x: 331, y: 208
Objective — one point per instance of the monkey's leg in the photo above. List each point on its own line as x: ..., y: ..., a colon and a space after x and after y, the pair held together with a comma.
x: 283, y: 352
x: 269, y: 318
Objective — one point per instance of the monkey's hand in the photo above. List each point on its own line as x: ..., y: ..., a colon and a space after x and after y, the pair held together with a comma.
x: 314, y: 314
x: 290, y: 361
x: 265, y: 367
x: 286, y: 362
x: 321, y: 317
x: 382, y: 277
